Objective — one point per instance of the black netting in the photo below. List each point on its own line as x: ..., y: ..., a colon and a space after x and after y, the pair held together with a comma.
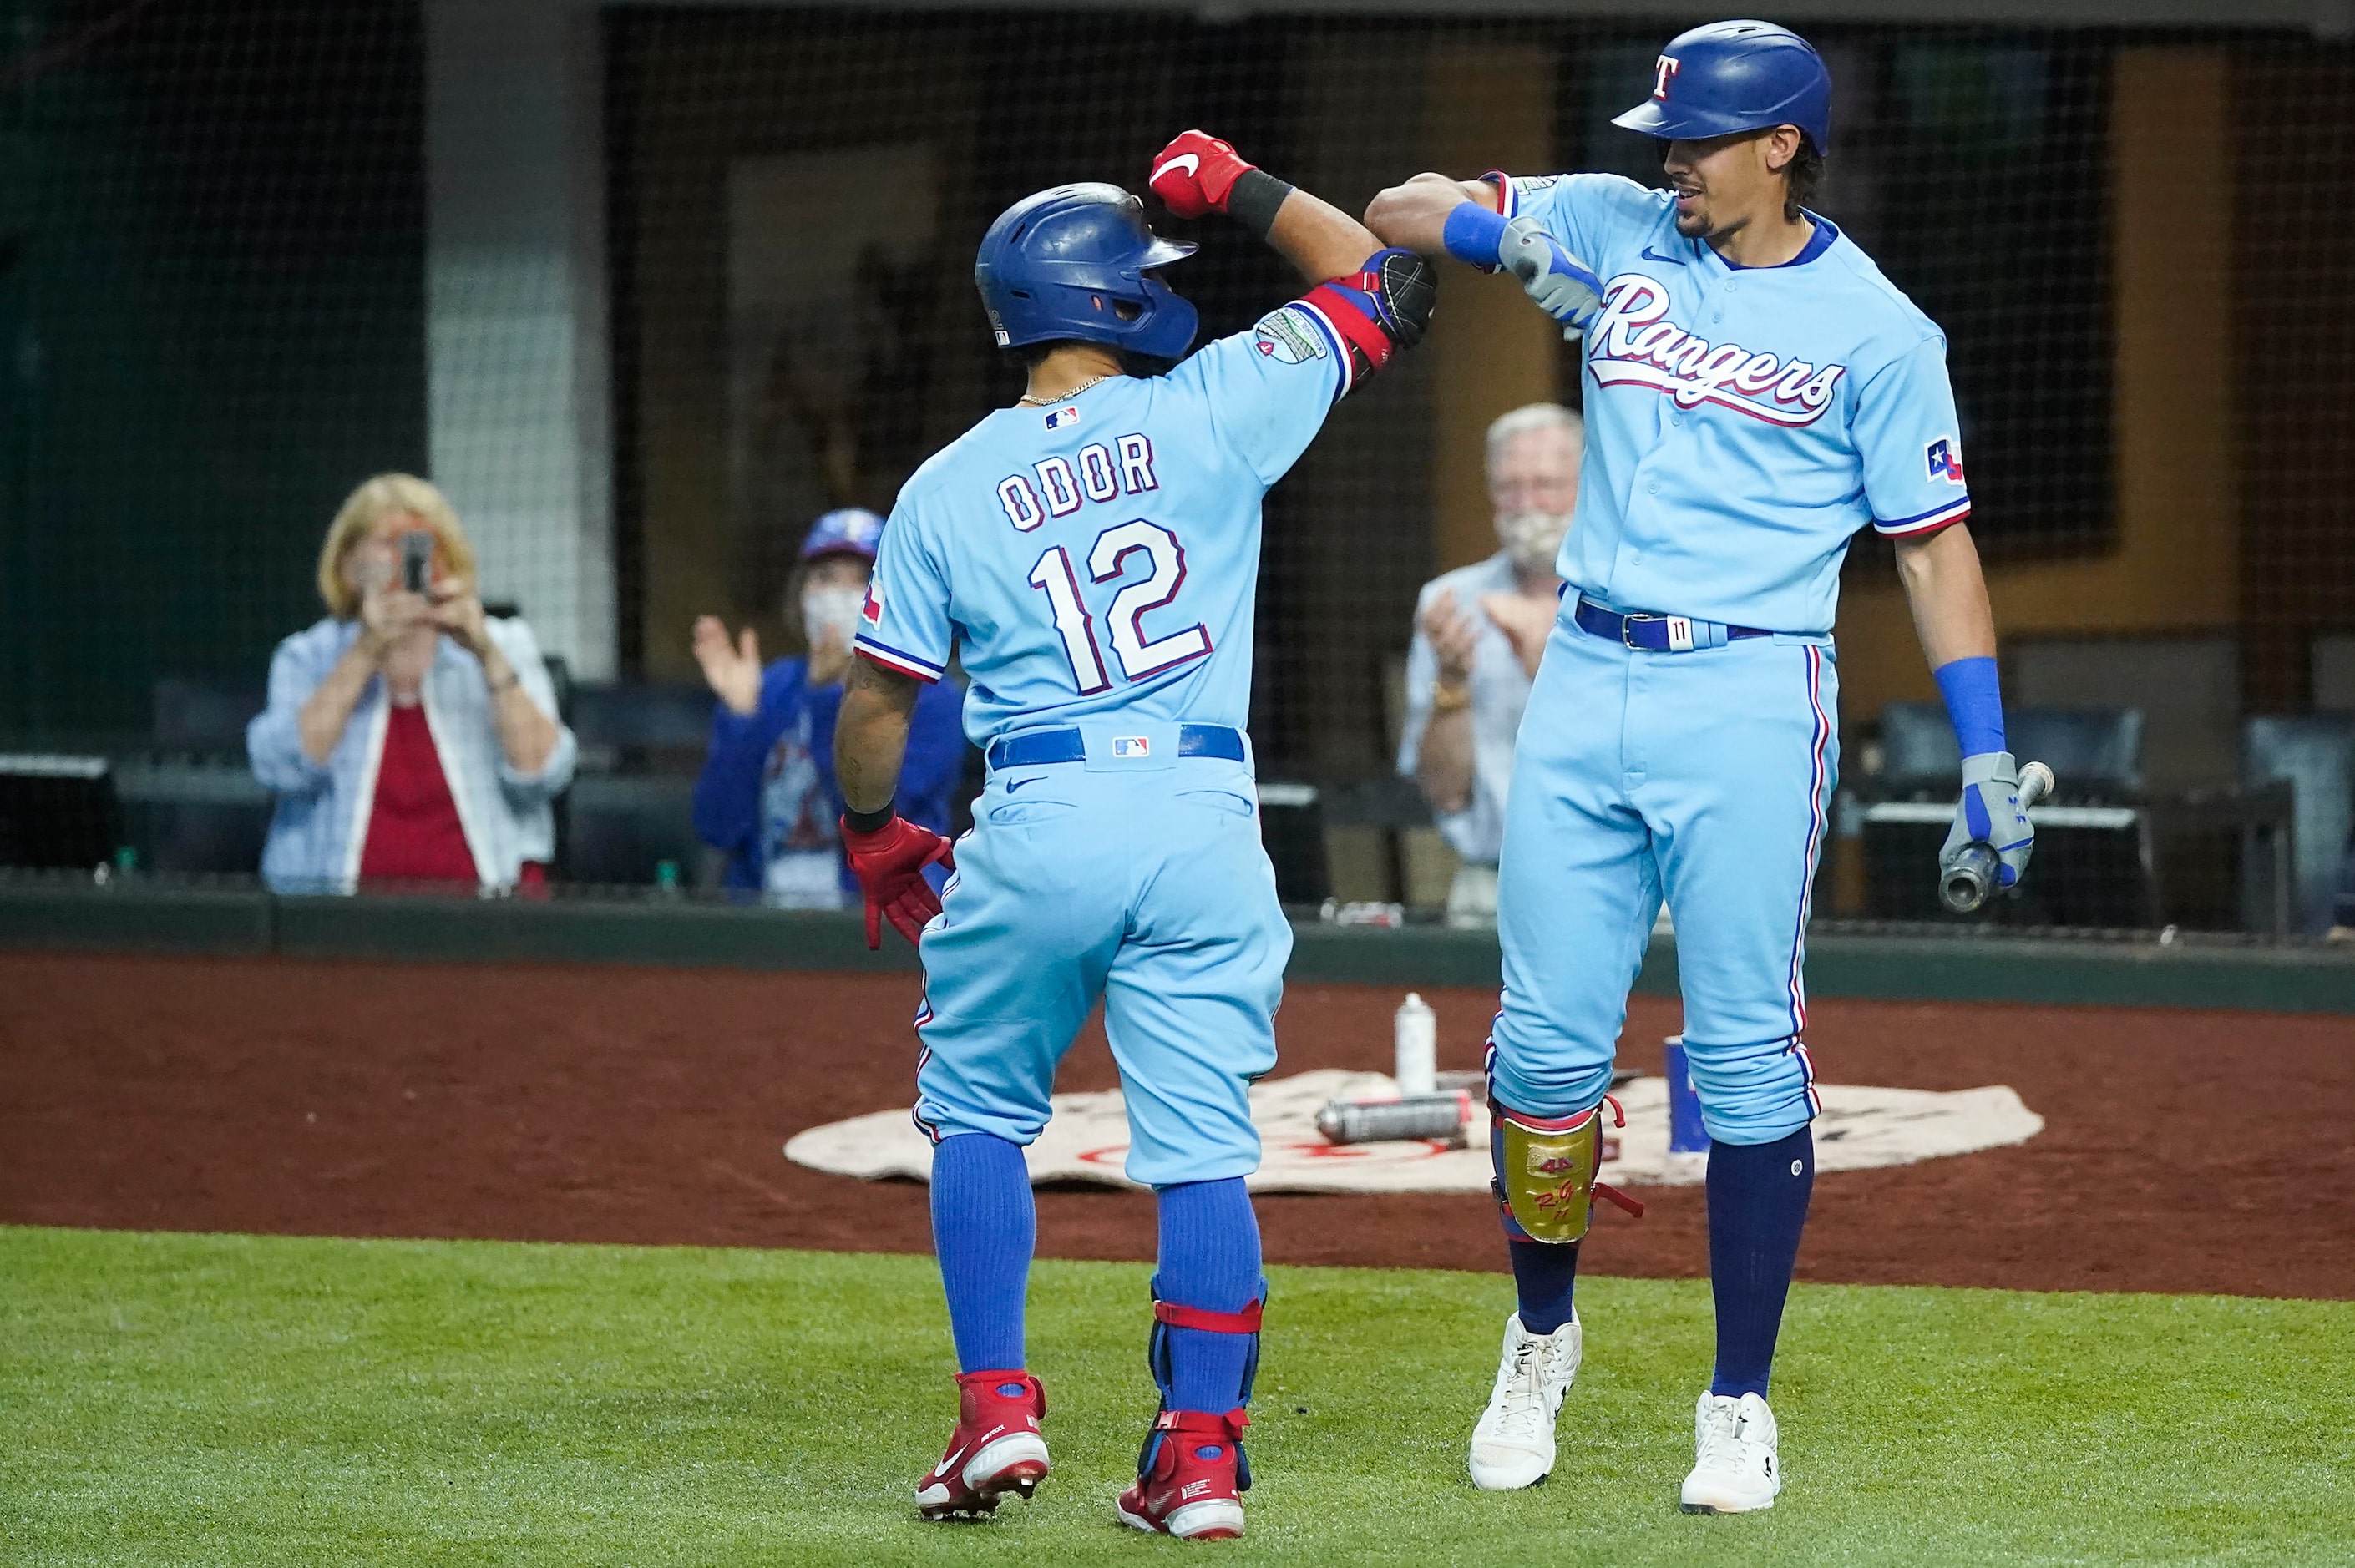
x: 252, y: 251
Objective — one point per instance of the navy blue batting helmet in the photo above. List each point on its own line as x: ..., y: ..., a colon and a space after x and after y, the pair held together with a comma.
x: 1077, y: 263
x: 1736, y: 76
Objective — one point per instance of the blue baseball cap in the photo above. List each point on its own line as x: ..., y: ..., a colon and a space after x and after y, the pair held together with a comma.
x: 1736, y: 76
x: 845, y: 531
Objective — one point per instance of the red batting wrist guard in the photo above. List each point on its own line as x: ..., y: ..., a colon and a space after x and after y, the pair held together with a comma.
x: 1377, y: 312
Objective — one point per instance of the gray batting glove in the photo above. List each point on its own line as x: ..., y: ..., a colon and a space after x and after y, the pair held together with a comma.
x: 1989, y: 813
x: 1564, y: 287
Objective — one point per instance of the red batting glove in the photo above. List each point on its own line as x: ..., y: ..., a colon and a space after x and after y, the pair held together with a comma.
x: 1193, y: 174
x: 889, y: 865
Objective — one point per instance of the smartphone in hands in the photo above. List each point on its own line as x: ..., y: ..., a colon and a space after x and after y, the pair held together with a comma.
x: 416, y: 561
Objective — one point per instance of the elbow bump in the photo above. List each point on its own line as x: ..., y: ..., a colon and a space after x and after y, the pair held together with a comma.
x: 1395, y: 202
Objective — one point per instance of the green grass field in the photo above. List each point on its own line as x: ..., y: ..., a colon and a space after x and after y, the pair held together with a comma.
x: 239, y: 1400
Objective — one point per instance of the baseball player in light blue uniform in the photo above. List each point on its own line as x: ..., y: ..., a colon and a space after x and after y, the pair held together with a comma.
x: 1755, y: 393
x: 1091, y: 556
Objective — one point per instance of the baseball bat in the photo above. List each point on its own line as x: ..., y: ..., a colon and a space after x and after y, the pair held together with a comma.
x: 1968, y: 885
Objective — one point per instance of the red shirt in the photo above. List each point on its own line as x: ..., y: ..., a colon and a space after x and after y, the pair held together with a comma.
x: 413, y: 831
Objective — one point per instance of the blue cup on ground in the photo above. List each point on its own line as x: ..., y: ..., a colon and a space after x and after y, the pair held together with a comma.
x: 1687, y: 1134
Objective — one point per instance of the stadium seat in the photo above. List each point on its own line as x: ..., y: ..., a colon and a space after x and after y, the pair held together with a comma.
x: 2315, y: 754
x: 632, y: 726
x: 194, y: 808
x: 631, y: 806
x: 205, y: 718
x: 2094, y: 862
x: 2089, y: 750
x: 621, y: 827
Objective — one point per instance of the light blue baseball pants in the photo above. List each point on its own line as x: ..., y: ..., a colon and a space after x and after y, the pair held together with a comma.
x: 1704, y: 776
x: 1143, y: 883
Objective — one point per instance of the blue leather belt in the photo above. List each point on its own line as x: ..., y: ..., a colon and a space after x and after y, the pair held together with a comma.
x: 1658, y: 633
x: 1041, y: 746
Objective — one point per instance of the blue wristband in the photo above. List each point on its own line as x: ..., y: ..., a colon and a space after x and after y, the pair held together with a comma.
x: 1472, y: 235
x: 1975, y: 704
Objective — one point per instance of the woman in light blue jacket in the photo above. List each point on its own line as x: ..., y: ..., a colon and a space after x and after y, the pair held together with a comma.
x: 410, y: 740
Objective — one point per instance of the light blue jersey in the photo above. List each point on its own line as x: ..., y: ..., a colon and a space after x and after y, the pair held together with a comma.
x: 1094, y: 565
x: 1743, y: 423
x: 1102, y: 555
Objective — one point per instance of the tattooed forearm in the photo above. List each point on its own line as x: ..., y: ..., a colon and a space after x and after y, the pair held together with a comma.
x: 870, y: 737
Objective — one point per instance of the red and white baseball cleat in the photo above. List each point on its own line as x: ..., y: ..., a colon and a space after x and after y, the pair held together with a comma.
x: 995, y: 1449
x: 1190, y: 1489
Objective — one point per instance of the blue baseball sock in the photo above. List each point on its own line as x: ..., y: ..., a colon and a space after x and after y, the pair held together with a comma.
x: 1757, y: 1205
x: 1211, y: 1260
x: 1545, y: 1274
x: 984, y: 1228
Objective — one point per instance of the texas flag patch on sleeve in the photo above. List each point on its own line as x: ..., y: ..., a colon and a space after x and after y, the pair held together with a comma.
x: 871, y: 612
x: 1944, y: 460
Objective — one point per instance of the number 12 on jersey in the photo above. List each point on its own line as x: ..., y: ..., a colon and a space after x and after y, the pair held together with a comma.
x: 1107, y: 559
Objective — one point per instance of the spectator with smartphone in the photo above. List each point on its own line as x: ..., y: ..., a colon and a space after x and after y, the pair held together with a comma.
x: 767, y: 793
x: 411, y: 739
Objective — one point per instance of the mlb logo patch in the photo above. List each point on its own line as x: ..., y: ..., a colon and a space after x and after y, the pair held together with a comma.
x: 1945, y: 461
x: 1064, y: 417
x: 1131, y: 745
x: 871, y: 612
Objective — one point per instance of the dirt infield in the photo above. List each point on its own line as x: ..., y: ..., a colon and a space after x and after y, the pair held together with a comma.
x: 2183, y: 1151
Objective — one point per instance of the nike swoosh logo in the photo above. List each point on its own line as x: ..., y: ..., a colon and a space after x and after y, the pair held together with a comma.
x: 1189, y: 162
x: 1652, y: 255
x: 1017, y: 783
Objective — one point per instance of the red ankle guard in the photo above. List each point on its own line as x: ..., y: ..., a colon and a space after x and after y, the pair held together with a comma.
x: 1244, y: 1322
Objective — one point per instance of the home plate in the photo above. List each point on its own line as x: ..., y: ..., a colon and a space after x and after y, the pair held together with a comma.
x: 1860, y: 1128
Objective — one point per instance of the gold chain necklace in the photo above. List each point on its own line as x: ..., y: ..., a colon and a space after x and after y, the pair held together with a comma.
x: 1025, y: 400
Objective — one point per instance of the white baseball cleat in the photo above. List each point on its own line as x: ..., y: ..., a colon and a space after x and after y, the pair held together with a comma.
x: 1513, y: 1445
x: 1735, y: 1469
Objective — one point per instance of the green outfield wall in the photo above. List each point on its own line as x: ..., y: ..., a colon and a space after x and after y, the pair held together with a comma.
x: 1943, y: 967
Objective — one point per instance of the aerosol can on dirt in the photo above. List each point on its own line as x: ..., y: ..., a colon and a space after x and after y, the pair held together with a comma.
x: 1441, y: 1119
x: 1416, y: 1033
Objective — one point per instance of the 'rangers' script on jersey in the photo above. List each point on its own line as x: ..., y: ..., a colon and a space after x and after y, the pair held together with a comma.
x: 1636, y: 345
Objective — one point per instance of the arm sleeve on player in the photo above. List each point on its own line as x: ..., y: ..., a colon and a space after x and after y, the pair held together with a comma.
x: 905, y: 625
x: 1910, y: 443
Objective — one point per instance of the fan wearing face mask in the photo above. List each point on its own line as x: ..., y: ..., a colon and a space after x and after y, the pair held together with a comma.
x: 767, y: 793
x: 1479, y: 633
